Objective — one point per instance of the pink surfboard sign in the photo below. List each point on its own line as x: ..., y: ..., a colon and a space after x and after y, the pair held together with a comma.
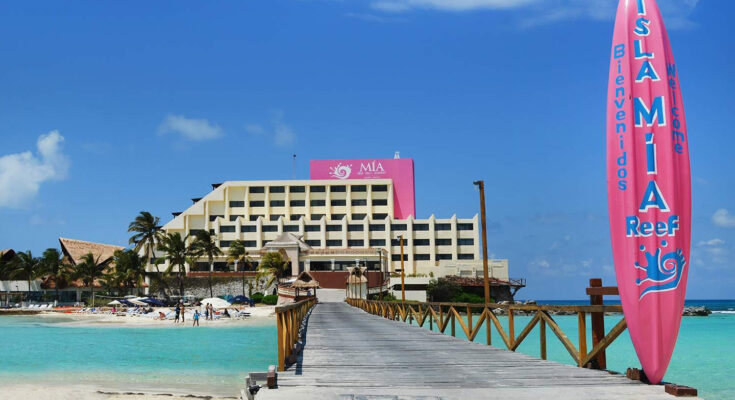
x: 648, y: 182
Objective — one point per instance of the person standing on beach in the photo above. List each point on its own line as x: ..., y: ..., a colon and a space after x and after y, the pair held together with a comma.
x: 183, y: 313
x: 206, y: 312
x: 178, y: 311
x: 196, y: 318
x: 211, y: 312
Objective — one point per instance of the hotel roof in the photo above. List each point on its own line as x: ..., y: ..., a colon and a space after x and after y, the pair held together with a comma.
x: 76, y: 249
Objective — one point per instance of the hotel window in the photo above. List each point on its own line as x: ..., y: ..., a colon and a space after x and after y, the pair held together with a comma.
x: 211, y: 231
x: 214, y: 217
x: 295, y: 217
x: 278, y: 203
x: 227, y: 228
x: 320, y: 266
x: 277, y: 189
x: 465, y: 242
x: 359, y: 202
x: 379, y: 188
x: 224, y: 243
x: 358, y: 188
x: 334, y: 228
x: 465, y: 256
x: 377, y: 227
x: 257, y: 189
x: 317, y: 189
x: 200, y: 266
x: 377, y: 242
x: 442, y: 227
x: 359, y: 217
x: 398, y: 227
x: 397, y: 257
x: 397, y: 242
x: 465, y: 227
x: 355, y: 242
x: 317, y: 203
x: 312, y: 228
x: 193, y: 232
x: 275, y: 217
x: 420, y: 227
x: 234, y: 217
x: 270, y: 228
x: 290, y: 228
x: 443, y: 242
x: 337, y: 188
x: 421, y: 257
x: 380, y: 202
x: 313, y: 243
x: 421, y: 242
x: 354, y: 228
x: 297, y: 203
x: 334, y: 243
x: 336, y: 217
x: 316, y: 217
x: 297, y: 189
x: 257, y: 203
x: 443, y: 257
x: 380, y: 216
x: 338, y: 202
x: 249, y: 243
x: 237, y: 204
x: 248, y: 228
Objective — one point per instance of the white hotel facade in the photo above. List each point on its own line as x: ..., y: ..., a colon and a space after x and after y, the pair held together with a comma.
x: 330, y: 225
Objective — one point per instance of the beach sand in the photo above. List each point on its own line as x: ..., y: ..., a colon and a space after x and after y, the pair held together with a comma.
x: 87, y: 392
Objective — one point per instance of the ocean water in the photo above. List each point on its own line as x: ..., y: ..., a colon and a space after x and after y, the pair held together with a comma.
x: 187, y: 360
x: 704, y: 357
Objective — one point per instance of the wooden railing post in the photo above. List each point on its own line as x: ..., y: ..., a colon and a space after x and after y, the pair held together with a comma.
x: 511, y: 327
x: 582, y: 329
x: 542, y: 337
x: 598, y: 324
x: 452, y: 316
x: 488, y: 330
x: 281, y: 340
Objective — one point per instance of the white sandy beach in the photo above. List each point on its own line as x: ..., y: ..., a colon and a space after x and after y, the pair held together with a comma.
x: 87, y: 392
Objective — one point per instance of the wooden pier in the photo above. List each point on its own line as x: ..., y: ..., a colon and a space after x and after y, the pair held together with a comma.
x: 349, y: 354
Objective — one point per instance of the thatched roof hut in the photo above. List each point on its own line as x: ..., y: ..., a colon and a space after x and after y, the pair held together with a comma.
x: 305, y: 281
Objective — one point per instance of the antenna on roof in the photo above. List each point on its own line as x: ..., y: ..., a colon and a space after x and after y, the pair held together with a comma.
x: 397, y: 155
x: 293, y: 167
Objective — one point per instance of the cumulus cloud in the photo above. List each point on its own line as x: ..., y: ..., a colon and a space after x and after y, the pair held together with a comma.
x: 676, y: 13
x: 189, y: 128
x: 723, y: 218
x: 22, y: 174
x: 279, y: 131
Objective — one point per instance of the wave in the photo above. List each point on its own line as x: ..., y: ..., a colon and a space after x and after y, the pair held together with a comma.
x: 723, y: 312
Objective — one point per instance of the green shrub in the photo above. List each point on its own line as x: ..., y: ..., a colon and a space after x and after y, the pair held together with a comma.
x: 465, y: 297
x: 442, y: 290
x: 270, y: 300
x: 257, y: 297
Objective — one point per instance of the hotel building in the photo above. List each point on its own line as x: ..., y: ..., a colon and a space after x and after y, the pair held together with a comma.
x: 350, y: 213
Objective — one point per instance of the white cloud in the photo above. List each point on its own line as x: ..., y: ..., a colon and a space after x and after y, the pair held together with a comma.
x: 282, y: 134
x: 712, y: 242
x: 723, y: 218
x: 22, y: 174
x: 190, y: 128
x: 676, y: 13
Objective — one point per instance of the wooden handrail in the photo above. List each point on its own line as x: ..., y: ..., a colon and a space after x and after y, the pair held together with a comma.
x: 449, y: 314
x: 289, y: 319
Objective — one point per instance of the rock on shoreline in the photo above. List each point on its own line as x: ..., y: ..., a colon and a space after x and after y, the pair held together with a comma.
x: 689, y: 311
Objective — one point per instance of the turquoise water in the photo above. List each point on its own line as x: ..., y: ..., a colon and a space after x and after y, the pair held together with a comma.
x: 201, y: 360
x: 704, y: 357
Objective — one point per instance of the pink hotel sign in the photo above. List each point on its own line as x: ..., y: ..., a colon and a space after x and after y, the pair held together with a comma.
x: 400, y: 170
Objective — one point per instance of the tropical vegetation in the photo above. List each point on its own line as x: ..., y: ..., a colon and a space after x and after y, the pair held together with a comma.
x: 204, y: 245
x: 238, y: 255
x: 271, y: 268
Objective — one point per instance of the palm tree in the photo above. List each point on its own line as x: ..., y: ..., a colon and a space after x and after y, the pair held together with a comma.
x: 25, y: 266
x: 90, y: 270
x: 238, y: 254
x: 273, y: 266
x: 177, y: 254
x: 129, y: 271
x: 204, y: 245
x: 146, y: 233
x: 52, y: 266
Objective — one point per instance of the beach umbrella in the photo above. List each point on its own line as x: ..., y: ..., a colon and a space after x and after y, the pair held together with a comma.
x: 649, y: 183
x: 126, y: 303
x: 216, y: 302
x: 137, y: 302
x: 152, y: 301
x: 240, y: 299
x: 114, y: 303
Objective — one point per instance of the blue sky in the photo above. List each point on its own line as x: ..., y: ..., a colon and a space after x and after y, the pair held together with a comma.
x: 107, y: 109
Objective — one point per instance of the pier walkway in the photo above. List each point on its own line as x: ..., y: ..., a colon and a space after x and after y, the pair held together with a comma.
x: 350, y: 354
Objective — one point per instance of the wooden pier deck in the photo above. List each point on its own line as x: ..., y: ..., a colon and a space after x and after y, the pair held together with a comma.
x: 350, y: 354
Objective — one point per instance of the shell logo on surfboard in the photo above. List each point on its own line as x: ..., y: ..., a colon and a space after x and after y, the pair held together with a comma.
x: 648, y: 182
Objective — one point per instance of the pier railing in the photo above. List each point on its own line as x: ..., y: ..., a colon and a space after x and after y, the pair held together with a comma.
x: 449, y: 315
x: 289, y: 321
